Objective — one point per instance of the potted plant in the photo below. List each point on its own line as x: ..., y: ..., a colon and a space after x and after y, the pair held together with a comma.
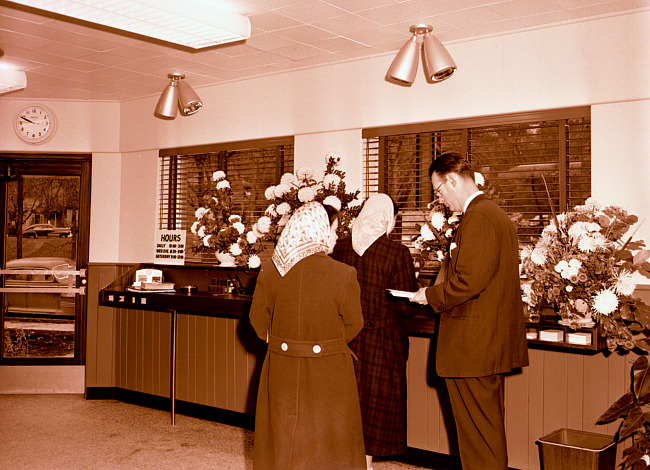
x: 632, y: 408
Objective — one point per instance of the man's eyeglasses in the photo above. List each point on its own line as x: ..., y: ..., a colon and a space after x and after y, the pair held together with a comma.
x: 436, y: 191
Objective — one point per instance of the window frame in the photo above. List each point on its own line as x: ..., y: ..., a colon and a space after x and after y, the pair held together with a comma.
x: 375, y: 142
x: 170, y: 198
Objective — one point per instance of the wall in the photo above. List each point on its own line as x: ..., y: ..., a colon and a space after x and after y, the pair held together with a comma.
x: 326, y: 107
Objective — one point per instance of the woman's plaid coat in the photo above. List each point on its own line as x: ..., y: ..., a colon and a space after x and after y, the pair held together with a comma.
x: 382, y: 346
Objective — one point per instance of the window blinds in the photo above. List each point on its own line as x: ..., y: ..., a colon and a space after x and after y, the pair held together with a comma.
x: 250, y: 167
x: 520, y: 155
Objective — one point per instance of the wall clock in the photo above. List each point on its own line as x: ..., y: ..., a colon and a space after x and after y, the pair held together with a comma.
x: 35, y: 124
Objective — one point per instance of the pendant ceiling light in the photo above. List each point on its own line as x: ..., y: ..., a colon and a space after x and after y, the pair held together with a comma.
x: 438, y: 63
x: 178, y: 94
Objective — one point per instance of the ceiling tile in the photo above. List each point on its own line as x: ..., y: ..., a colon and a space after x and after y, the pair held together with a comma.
x: 71, y: 59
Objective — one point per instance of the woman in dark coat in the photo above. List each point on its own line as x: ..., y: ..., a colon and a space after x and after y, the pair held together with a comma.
x: 382, y: 346
x: 307, y: 307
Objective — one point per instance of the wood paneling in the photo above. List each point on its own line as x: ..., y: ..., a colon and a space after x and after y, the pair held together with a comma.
x: 219, y: 360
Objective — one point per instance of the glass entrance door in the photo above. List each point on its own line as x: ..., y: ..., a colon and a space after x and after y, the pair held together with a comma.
x: 44, y: 261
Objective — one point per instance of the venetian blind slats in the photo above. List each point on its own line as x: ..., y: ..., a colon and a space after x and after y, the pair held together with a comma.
x: 527, y: 162
x: 187, y: 177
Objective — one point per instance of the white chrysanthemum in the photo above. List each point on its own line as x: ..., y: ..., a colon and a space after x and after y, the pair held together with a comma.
x: 605, y: 302
x: 331, y: 181
x: 288, y: 178
x: 577, y: 230
x: 269, y: 193
x: 440, y: 255
x: 251, y: 237
x: 256, y: 231
x: 218, y: 175
x: 419, y: 243
x: 449, y: 233
x: 478, y: 179
x: 223, y: 184
x: 264, y: 224
x: 575, y: 263
x: 426, y: 233
x: 525, y: 253
x: 234, y: 218
x: 200, y: 212
x: 283, y: 208
x: 201, y: 231
x: 591, y: 243
x: 281, y: 189
x: 333, y: 201
x: 625, y: 284
x: 453, y: 219
x: 306, y: 194
x: 438, y: 220
x: 304, y: 173
x: 561, y: 219
x: 234, y: 249
x: 561, y: 266
x: 206, y: 240
x: 538, y: 256
x: 241, y: 228
x: 254, y: 261
x: 270, y: 211
x: 568, y: 288
x: 593, y: 204
x: 549, y: 231
x: 195, y: 227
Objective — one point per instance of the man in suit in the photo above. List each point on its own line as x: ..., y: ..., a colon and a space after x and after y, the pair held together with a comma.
x: 481, y: 332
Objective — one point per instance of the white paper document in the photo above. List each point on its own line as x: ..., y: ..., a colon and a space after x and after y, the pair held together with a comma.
x: 401, y: 293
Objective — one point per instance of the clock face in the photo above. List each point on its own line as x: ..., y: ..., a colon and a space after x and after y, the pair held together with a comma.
x: 35, y: 124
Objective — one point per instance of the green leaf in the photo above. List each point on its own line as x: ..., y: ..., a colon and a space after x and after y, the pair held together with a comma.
x: 641, y: 256
x: 641, y: 377
x: 619, y: 408
x: 631, y: 424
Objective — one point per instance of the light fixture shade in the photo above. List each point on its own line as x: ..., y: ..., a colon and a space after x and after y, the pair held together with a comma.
x: 438, y: 64
x: 12, y: 80
x: 188, y: 100
x: 405, y: 65
x: 167, y: 106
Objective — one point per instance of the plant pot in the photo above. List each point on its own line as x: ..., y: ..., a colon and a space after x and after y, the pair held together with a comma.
x: 225, y: 259
x: 577, y: 450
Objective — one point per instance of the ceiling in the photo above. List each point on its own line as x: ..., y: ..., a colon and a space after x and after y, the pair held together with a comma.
x: 69, y: 60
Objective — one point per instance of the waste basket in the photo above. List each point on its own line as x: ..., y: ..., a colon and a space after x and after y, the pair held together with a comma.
x: 569, y: 449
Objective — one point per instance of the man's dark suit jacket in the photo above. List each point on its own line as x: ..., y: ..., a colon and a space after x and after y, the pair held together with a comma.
x: 481, y: 327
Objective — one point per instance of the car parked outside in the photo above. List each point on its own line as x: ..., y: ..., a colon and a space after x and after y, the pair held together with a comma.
x: 34, y: 303
x: 46, y: 230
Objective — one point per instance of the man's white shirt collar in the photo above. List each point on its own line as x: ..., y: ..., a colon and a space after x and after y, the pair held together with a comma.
x: 470, y: 199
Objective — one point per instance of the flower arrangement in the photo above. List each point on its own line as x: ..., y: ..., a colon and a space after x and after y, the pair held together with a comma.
x: 439, y: 225
x: 294, y: 190
x: 582, y: 269
x: 220, y: 231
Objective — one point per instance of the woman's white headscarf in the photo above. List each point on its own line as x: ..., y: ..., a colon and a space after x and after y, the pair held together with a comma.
x: 307, y: 232
x: 375, y: 219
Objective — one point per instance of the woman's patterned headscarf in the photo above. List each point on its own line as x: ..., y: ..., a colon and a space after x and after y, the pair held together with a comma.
x: 375, y: 219
x: 307, y: 232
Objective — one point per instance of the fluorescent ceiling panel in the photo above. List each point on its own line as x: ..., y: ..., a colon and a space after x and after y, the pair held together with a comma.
x: 12, y: 80
x: 192, y: 23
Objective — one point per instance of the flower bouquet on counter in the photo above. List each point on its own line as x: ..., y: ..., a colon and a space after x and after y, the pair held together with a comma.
x: 440, y: 224
x: 219, y: 231
x: 294, y: 190
x: 582, y: 269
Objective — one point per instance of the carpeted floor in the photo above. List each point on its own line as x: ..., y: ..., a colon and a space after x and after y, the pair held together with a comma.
x: 68, y: 432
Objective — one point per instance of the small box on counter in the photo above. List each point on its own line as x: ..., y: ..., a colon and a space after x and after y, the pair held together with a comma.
x: 578, y: 337
x: 531, y: 333
x: 555, y: 336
